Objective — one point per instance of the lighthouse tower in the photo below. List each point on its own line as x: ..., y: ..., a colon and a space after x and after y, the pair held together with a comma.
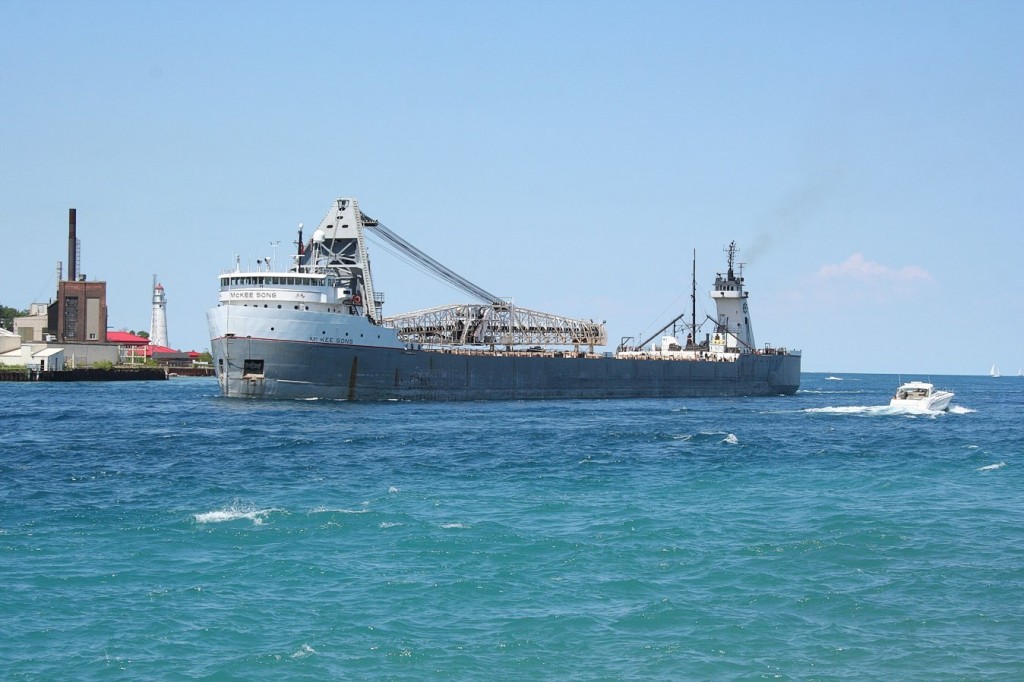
x: 158, y: 324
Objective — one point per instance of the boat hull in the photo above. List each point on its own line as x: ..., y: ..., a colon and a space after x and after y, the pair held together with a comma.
x: 287, y: 369
x: 937, y: 402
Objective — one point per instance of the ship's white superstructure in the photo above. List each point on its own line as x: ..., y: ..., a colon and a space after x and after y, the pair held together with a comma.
x: 734, y: 330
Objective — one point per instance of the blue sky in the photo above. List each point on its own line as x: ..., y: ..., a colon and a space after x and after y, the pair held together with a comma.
x: 868, y: 158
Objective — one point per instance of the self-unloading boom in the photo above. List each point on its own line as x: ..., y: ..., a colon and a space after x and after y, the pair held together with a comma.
x: 337, y: 250
x: 445, y: 273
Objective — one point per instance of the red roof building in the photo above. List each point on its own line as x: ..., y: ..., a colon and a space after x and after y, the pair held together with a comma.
x: 126, y: 339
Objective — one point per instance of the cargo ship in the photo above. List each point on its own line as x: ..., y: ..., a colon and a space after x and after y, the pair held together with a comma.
x: 316, y: 330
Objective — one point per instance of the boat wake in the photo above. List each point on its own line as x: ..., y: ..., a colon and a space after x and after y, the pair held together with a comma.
x: 885, y: 410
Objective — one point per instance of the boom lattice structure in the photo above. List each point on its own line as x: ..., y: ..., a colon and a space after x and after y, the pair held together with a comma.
x: 495, y: 325
x: 494, y: 322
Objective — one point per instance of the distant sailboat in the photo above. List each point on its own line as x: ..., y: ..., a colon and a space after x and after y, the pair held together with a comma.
x: 994, y: 372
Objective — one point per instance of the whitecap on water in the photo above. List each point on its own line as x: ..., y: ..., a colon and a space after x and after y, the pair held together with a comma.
x: 992, y: 467
x: 233, y: 514
x: 731, y: 439
x: 304, y: 650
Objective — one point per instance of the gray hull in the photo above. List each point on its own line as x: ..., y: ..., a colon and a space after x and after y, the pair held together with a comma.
x: 249, y: 367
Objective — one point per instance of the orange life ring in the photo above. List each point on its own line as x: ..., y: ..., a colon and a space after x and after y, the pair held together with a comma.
x: 357, y: 300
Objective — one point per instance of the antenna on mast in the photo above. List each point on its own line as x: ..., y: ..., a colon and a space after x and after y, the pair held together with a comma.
x: 693, y: 300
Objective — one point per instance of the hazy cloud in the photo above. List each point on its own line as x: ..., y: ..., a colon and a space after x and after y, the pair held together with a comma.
x: 858, y: 281
x: 856, y: 267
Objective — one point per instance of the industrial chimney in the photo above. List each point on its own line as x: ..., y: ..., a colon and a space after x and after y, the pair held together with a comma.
x: 72, y: 245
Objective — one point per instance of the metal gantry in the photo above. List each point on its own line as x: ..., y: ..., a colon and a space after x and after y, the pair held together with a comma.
x: 495, y: 325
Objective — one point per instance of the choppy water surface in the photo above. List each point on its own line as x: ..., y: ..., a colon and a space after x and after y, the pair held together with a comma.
x: 157, y: 530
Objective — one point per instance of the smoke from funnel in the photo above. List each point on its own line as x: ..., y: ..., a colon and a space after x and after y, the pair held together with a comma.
x: 788, y: 219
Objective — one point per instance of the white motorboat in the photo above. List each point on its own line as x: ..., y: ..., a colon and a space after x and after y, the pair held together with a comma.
x: 921, y: 396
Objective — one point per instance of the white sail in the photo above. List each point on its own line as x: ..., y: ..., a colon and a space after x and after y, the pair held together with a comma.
x: 994, y: 372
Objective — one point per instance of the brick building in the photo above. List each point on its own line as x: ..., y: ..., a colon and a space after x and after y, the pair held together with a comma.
x: 80, y: 312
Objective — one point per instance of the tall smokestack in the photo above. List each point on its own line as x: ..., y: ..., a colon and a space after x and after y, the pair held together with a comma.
x: 72, y: 245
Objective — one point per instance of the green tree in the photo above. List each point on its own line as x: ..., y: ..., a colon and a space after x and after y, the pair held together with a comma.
x: 7, y: 316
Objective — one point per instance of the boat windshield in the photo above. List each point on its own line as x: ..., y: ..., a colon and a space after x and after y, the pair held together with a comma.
x: 912, y: 393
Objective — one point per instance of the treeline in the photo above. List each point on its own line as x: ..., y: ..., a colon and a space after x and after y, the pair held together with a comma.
x: 7, y: 315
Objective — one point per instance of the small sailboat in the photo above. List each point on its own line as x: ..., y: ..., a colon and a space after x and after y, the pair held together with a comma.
x: 994, y: 372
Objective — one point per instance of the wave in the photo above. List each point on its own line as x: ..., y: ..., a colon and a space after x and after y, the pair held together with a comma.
x: 304, y: 650
x: 329, y: 510
x: 234, y: 513
x: 992, y: 467
x: 708, y: 436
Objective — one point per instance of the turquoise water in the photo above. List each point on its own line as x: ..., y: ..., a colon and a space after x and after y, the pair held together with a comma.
x: 158, y: 531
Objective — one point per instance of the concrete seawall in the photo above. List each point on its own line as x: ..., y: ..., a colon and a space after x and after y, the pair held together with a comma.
x: 88, y: 374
